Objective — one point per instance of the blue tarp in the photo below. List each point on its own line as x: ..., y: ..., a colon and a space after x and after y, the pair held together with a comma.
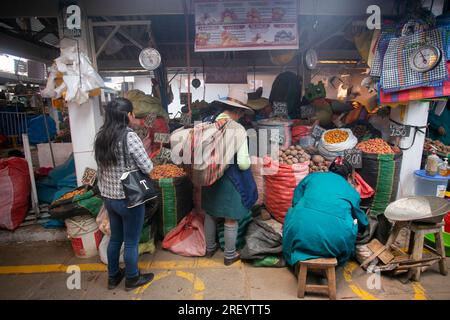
x: 36, y: 129
x: 61, y: 179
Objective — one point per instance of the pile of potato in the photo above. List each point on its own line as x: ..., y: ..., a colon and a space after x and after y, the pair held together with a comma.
x: 318, y: 164
x: 293, y: 155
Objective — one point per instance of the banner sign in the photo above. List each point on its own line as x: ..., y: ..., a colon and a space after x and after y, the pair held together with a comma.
x: 231, y: 25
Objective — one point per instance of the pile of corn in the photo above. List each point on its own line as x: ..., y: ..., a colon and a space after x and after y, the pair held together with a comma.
x: 335, y: 136
x: 72, y: 194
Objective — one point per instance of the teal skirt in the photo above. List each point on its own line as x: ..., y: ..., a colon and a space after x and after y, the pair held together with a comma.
x: 223, y: 200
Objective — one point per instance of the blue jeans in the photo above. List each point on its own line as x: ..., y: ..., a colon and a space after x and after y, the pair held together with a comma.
x: 126, y: 226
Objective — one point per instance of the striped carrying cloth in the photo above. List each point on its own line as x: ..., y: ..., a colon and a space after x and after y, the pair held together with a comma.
x: 213, y: 147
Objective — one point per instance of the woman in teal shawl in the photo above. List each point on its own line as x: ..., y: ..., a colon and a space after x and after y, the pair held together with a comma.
x: 439, y: 125
x: 325, y: 217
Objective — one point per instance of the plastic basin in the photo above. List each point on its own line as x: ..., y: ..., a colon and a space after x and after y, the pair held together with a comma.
x: 430, y: 186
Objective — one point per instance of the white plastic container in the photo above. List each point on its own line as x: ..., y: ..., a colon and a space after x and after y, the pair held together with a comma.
x: 85, y: 236
x: 430, y: 185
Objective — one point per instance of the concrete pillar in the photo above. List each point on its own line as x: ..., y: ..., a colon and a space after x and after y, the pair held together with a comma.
x: 85, y: 119
x: 415, y: 114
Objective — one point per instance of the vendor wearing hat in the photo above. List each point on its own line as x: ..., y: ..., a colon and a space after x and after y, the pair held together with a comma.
x: 261, y: 106
x: 233, y: 195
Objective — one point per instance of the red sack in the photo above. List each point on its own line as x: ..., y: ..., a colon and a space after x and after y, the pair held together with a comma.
x: 159, y: 125
x: 15, y: 188
x: 447, y: 223
x: 188, y: 238
x: 300, y: 131
x: 279, y: 187
x: 363, y: 188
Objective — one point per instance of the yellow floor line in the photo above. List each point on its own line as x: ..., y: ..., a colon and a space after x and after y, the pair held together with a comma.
x: 419, y: 290
x: 348, y: 270
x: 171, y: 265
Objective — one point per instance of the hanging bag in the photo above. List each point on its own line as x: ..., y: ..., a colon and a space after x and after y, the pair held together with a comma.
x: 137, y: 186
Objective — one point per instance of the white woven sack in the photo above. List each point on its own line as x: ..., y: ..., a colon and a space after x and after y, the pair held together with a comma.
x: 350, y: 143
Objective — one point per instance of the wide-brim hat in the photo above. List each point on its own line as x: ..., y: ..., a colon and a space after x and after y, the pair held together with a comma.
x: 258, y: 104
x: 237, y: 98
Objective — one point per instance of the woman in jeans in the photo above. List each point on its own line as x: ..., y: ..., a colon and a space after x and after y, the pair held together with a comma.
x: 126, y: 224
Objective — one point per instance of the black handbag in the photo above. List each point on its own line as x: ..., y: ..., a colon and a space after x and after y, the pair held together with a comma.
x: 137, y: 186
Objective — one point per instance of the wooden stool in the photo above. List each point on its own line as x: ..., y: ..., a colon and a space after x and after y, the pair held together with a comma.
x: 417, y: 244
x: 318, y: 264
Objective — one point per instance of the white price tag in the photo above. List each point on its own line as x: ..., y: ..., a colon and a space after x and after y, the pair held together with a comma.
x: 150, y: 119
x: 165, y: 154
x: 162, y: 137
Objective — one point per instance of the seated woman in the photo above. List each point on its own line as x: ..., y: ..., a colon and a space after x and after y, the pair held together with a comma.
x: 325, y: 217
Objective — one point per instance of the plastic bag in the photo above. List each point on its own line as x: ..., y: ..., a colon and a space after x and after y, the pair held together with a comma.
x: 363, y: 188
x: 80, y: 78
x: 279, y: 187
x: 103, y: 221
x: 264, y: 238
x: 188, y: 238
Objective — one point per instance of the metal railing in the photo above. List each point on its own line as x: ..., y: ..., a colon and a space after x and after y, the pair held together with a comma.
x: 12, y: 125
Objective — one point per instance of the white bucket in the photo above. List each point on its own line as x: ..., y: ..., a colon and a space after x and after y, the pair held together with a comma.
x: 84, y: 235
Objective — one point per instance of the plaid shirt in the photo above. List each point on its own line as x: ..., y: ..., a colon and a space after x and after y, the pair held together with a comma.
x: 109, y: 178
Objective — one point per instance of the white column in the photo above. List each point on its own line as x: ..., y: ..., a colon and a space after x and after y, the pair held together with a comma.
x: 415, y: 114
x: 85, y: 119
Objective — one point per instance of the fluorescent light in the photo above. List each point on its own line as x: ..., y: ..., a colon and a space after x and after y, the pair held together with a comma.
x: 338, y: 61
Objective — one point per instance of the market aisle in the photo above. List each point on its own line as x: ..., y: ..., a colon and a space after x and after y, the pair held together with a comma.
x: 37, y: 271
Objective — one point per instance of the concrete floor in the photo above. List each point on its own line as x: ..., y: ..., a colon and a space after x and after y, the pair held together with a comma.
x: 36, y: 270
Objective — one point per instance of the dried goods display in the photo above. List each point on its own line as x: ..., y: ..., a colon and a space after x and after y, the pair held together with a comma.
x: 72, y: 194
x: 293, y: 155
x: 359, y: 131
x: 318, y: 164
x: 377, y: 146
x: 438, y: 145
x: 335, y: 136
x: 167, y: 171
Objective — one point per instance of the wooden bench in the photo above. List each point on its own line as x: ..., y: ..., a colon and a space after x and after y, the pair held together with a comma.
x: 323, y: 264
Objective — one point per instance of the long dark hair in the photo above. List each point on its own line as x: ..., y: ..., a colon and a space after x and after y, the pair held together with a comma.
x: 107, y: 139
x: 341, y: 167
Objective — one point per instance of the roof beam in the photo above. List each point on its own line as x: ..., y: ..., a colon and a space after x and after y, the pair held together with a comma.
x: 126, y: 35
x: 15, y: 46
x: 196, y: 62
x: 112, y: 23
x: 49, y: 8
x: 109, y: 37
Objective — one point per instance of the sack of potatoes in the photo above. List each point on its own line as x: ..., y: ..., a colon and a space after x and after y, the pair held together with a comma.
x: 293, y: 155
x: 318, y: 164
